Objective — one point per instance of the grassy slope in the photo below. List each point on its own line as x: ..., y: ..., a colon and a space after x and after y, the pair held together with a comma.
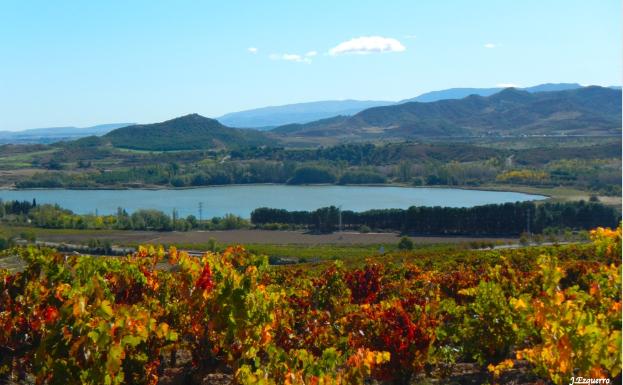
x: 556, y: 194
x: 188, y: 132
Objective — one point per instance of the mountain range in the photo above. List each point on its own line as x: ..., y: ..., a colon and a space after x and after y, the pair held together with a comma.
x: 269, y: 117
x: 56, y: 134
x: 560, y: 108
x: 510, y: 112
x: 460, y: 93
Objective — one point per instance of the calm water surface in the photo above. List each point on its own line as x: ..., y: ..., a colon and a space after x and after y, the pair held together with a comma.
x: 241, y: 200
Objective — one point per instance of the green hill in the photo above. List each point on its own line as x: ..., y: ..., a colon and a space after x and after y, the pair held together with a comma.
x: 511, y: 112
x: 189, y: 132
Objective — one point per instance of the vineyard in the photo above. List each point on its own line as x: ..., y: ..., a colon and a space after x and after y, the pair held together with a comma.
x: 160, y: 316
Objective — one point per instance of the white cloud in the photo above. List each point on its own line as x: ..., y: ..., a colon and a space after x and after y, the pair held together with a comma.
x: 290, y: 57
x: 311, y: 54
x: 367, y: 44
x: 253, y: 50
x: 490, y: 45
x: 507, y: 85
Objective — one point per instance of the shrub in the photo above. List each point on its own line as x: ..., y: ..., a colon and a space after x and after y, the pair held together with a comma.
x: 488, y: 323
x: 310, y: 175
x: 405, y: 244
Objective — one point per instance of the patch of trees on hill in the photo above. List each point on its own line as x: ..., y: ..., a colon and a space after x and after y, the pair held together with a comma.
x: 589, y: 167
x: 190, y: 132
x: 601, y: 175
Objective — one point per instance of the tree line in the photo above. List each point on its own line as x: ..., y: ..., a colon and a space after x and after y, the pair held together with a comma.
x: 501, y: 219
x: 601, y: 176
x: 25, y: 213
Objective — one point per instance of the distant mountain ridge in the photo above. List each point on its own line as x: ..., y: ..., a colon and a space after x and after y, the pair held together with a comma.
x: 189, y: 132
x: 55, y: 134
x: 287, y: 118
x: 575, y: 111
x: 268, y: 117
x: 460, y: 93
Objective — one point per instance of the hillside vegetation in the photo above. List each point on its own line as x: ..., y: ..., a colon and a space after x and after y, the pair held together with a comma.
x: 510, y: 112
x: 593, y: 165
x: 267, y: 117
x: 190, y: 132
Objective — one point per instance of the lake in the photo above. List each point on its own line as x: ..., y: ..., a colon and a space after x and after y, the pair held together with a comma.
x: 242, y: 199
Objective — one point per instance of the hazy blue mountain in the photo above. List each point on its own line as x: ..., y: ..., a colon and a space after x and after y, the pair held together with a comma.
x: 510, y: 112
x: 451, y: 93
x: 549, y: 87
x: 267, y: 117
x: 460, y: 93
x: 56, y: 134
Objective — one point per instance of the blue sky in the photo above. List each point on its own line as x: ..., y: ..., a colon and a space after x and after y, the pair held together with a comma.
x: 82, y: 63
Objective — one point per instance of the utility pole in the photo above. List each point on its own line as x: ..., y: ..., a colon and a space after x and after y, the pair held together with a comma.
x: 200, y: 211
x: 528, y: 221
